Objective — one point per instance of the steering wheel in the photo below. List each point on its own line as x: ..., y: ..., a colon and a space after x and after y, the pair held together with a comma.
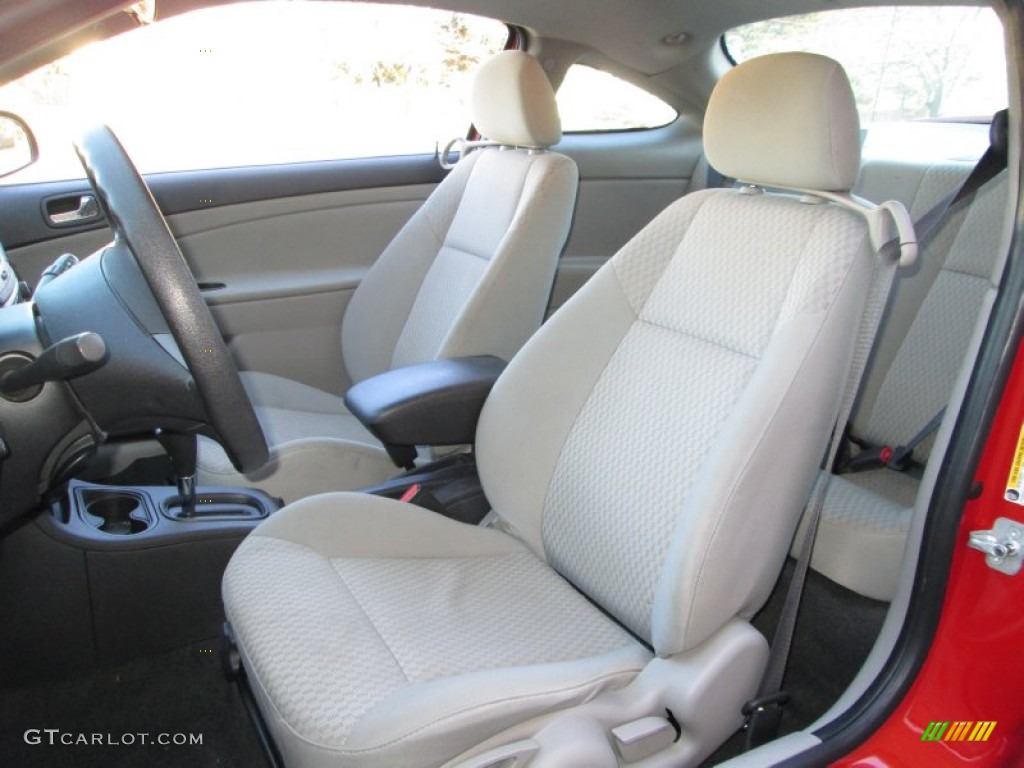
x: 138, y: 224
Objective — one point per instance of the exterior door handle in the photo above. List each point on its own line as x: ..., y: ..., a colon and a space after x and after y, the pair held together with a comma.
x: 72, y: 209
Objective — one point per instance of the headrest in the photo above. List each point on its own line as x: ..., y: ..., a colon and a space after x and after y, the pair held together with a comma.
x: 999, y: 133
x: 512, y: 102
x: 785, y: 120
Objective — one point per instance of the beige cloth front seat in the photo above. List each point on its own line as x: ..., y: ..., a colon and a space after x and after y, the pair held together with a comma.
x: 469, y: 274
x: 676, y: 410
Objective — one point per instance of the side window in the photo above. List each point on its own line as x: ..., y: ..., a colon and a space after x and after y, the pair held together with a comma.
x: 262, y: 83
x: 942, y: 68
x: 592, y: 100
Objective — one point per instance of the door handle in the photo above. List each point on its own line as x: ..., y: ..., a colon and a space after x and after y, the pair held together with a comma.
x: 72, y: 209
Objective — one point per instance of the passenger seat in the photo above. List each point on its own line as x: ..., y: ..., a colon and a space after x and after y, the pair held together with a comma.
x: 469, y: 274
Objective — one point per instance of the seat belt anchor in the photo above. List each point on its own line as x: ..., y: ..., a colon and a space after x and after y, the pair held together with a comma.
x: 764, y: 714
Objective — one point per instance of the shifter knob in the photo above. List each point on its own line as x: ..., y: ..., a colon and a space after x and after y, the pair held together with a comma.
x: 182, y: 451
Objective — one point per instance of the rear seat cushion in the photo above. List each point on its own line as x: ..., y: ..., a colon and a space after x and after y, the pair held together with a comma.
x: 862, y: 531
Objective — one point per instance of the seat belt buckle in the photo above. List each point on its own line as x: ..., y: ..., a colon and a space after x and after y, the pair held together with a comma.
x: 874, y: 457
x: 764, y: 714
x: 901, y: 459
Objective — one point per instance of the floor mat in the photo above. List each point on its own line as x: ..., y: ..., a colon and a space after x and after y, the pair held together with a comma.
x: 150, y: 712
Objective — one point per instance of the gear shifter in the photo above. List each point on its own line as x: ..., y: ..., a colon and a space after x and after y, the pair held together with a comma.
x: 182, y: 451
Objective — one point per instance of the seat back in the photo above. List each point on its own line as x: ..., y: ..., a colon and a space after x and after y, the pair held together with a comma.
x: 919, y: 381
x: 656, y: 440
x: 471, y: 271
x: 933, y: 313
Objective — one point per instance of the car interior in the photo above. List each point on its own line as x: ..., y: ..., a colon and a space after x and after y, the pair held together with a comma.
x: 584, y: 436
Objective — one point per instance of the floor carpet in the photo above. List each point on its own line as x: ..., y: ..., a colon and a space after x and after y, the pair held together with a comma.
x: 180, y: 692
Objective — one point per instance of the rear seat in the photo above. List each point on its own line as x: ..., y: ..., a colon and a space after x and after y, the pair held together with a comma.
x: 927, y: 331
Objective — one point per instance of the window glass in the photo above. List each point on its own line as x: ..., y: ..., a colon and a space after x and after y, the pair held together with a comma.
x: 905, y: 63
x: 592, y: 100
x: 260, y: 83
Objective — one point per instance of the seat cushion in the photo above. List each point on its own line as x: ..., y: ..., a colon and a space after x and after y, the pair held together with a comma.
x: 420, y: 636
x: 290, y: 410
x: 863, y: 530
x: 316, y: 445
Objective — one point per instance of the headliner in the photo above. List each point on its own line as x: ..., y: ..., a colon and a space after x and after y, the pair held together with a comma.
x: 627, y: 33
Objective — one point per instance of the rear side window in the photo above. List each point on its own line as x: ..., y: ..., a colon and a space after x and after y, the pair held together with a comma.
x: 905, y: 63
x: 592, y: 100
x: 262, y: 83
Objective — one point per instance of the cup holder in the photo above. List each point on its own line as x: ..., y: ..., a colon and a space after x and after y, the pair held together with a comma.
x: 116, y: 513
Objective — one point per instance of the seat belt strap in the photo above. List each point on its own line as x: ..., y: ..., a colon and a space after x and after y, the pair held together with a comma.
x: 764, y: 711
x: 903, y: 454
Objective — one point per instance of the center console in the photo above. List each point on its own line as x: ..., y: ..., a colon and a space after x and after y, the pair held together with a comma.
x: 115, y: 517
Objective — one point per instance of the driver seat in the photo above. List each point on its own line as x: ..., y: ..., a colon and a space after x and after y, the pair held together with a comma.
x: 676, y: 411
x: 469, y: 274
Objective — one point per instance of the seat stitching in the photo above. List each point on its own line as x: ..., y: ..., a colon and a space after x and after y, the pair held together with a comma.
x: 964, y: 273
x: 530, y: 171
x: 705, y: 199
x: 696, y: 337
x: 362, y: 609
x: 457, y: 249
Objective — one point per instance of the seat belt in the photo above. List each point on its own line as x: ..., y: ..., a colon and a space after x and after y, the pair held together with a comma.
x: 764, y: 711
x: 903, y: 454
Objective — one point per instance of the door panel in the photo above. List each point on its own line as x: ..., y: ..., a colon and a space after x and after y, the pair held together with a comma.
x: 296, y: 337
x: 626, y: 179
x: 281, y: 248
x: 288, y: 268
